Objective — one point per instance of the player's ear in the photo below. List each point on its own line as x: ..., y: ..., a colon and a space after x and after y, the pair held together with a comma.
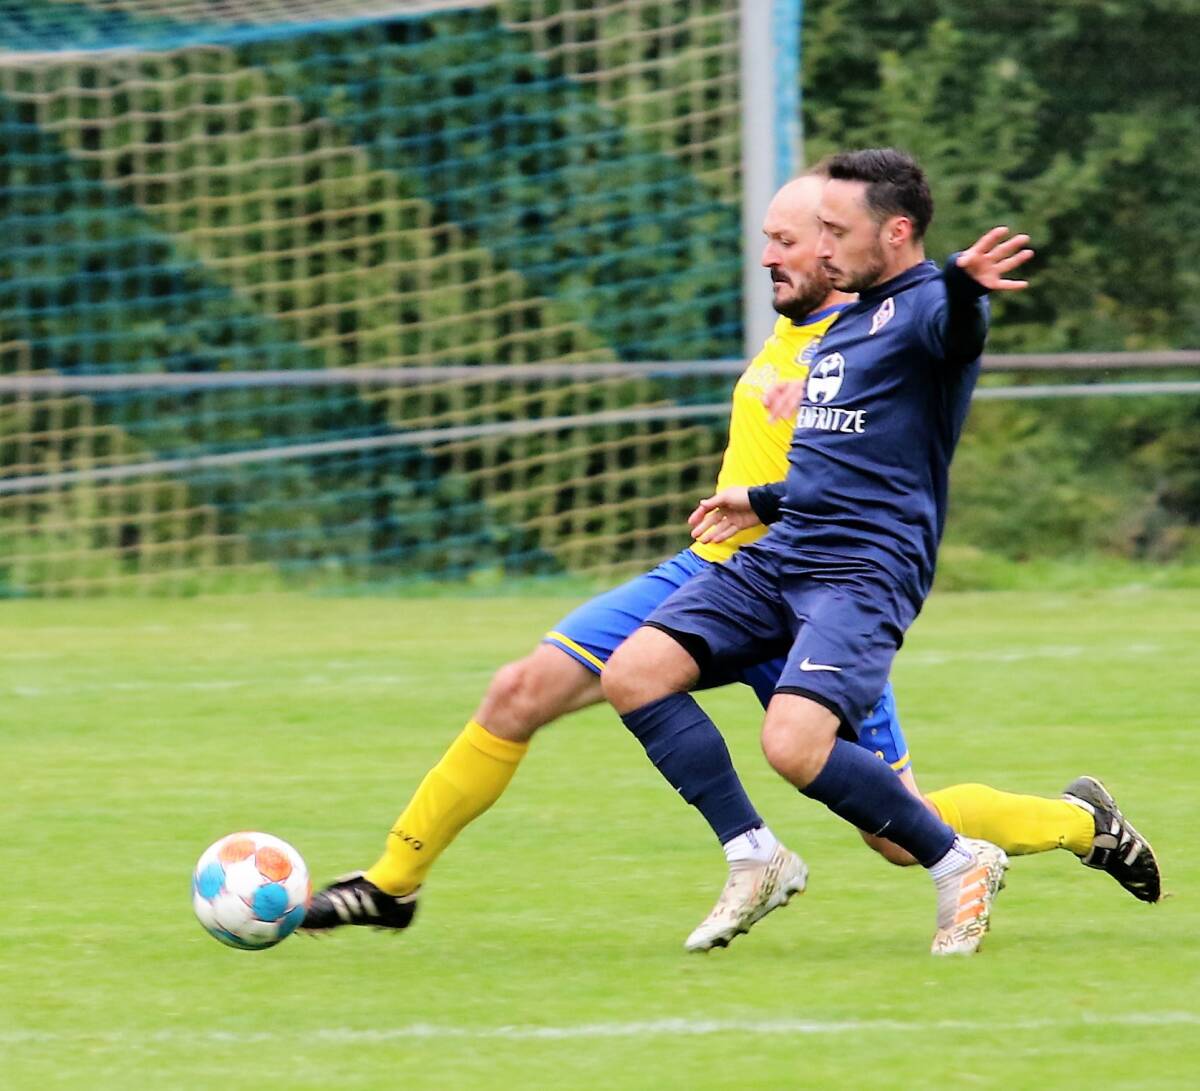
x: 897, y: 231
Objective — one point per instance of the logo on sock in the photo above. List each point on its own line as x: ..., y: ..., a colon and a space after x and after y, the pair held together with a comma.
x: 414, y: 843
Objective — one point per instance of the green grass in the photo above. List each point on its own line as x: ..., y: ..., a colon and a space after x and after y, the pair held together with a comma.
x: 547, y: 952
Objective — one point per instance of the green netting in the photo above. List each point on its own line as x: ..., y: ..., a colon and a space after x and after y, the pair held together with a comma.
x: 196, y: 188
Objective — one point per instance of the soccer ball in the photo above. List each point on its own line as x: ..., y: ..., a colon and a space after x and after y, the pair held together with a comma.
x: 249, y: 890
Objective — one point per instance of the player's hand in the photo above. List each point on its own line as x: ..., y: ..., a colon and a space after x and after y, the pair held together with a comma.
x: 723, y: 515
x: 993, y: 255
x: 783, y: 399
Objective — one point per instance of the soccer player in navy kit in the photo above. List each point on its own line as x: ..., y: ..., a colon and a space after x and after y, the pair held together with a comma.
x: 849, y: 558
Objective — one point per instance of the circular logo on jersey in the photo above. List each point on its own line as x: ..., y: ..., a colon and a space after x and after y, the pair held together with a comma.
x: 809, y: 353
x: 825, y: 380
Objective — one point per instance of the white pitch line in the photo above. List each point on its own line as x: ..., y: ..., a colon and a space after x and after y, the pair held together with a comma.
x: 661, y: 1028
x: 934, y: 658
x: 311, y: 681
x: 928, y: 658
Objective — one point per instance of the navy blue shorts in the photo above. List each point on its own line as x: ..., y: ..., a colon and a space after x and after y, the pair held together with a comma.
x: 836, y: 641
x: 591, y: 633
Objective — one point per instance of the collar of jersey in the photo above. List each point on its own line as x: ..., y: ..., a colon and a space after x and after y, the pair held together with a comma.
x: 824, y: 312
x: 899, y: 282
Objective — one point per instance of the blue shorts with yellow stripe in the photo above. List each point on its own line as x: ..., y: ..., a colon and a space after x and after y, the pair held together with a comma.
x: 591, y: 633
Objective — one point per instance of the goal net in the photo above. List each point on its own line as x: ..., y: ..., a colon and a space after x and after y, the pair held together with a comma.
x: 300, y: 291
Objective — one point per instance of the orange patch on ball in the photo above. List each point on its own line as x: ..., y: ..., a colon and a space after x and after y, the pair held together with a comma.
x: 273, y: 864
x: 235, y: 849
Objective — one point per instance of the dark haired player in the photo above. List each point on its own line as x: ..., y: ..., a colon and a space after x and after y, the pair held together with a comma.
x: 847, y: 564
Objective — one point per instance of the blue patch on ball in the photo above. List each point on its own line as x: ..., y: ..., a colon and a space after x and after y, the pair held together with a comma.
x: 230, y: 940
x: 291, y: 921
x: 210, y: 881
x: 270, y: 901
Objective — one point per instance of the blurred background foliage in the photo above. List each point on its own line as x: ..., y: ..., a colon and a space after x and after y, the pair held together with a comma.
x: 534, y: 180
x: 1077, y: 122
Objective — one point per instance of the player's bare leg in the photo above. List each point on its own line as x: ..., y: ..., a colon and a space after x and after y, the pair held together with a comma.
x: 532, y: 692
x: 646, y: 681
x: 889, y: 850
x: 522, y: 697
x: 650, y: 665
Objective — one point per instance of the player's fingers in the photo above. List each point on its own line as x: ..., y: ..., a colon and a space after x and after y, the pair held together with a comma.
x: 705, y: 522
x: 1006, y: 247
x: 1013, y: 261
x: 986, y: 241
x: 783, y: 399
x: 777, y: 408
x: 719, y: 532
x: 1010, y: 285
x: 787, y: 404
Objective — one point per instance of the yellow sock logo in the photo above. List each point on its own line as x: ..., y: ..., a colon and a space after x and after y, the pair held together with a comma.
x: 415, y: 843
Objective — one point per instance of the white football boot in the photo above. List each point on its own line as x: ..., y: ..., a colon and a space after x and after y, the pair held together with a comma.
x: 750, y: 893
x: 964, y: 900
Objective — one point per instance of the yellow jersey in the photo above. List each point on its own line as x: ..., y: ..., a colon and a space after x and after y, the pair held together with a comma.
x: 757, y: 451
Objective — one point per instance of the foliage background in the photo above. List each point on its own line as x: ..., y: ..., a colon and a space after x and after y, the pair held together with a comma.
x: 1076, y: 122
x: 549, y: 182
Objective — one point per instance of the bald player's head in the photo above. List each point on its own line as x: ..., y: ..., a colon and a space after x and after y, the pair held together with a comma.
x: 799, y: 283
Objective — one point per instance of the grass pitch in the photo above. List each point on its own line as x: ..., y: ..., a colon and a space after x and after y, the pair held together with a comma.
x: 548, y: 948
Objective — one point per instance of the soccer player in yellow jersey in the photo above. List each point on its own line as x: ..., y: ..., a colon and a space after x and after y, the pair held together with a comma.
x: 562, y: 675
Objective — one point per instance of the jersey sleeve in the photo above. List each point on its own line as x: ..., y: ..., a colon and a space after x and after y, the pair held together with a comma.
x: 767, y: 500
x: 953, y: 327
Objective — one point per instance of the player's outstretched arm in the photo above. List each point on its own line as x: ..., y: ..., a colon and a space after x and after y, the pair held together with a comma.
x: 957, y: 332
x: 723, y: 515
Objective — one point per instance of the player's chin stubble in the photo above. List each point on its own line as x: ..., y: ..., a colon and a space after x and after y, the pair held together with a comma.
x: 859, y: 280
x: 807, y: 295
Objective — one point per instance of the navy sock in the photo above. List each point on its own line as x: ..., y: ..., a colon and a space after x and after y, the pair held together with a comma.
x: 689, y: 751
x: 863, y: 790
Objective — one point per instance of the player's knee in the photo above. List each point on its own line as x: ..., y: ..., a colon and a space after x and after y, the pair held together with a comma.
x: 621, y: 681
x: 797, y: 736
x: 514, y: 706
x: 791, y: 752
x: 649, y: 665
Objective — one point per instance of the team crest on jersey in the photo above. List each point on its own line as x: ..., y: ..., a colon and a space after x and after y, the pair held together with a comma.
x: 825, y: 380
x: 886, y: 312
x: 809, y: 353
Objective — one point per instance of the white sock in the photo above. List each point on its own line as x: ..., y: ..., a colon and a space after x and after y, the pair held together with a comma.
x: 958, y: 858
x: 754, y: 846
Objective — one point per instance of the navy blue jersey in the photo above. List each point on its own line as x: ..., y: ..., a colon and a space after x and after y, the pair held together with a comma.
x: 865, y: 494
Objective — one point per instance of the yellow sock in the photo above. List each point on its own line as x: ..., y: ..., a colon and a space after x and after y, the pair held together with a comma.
x: 1018, y: 824
x: 471, y: 776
